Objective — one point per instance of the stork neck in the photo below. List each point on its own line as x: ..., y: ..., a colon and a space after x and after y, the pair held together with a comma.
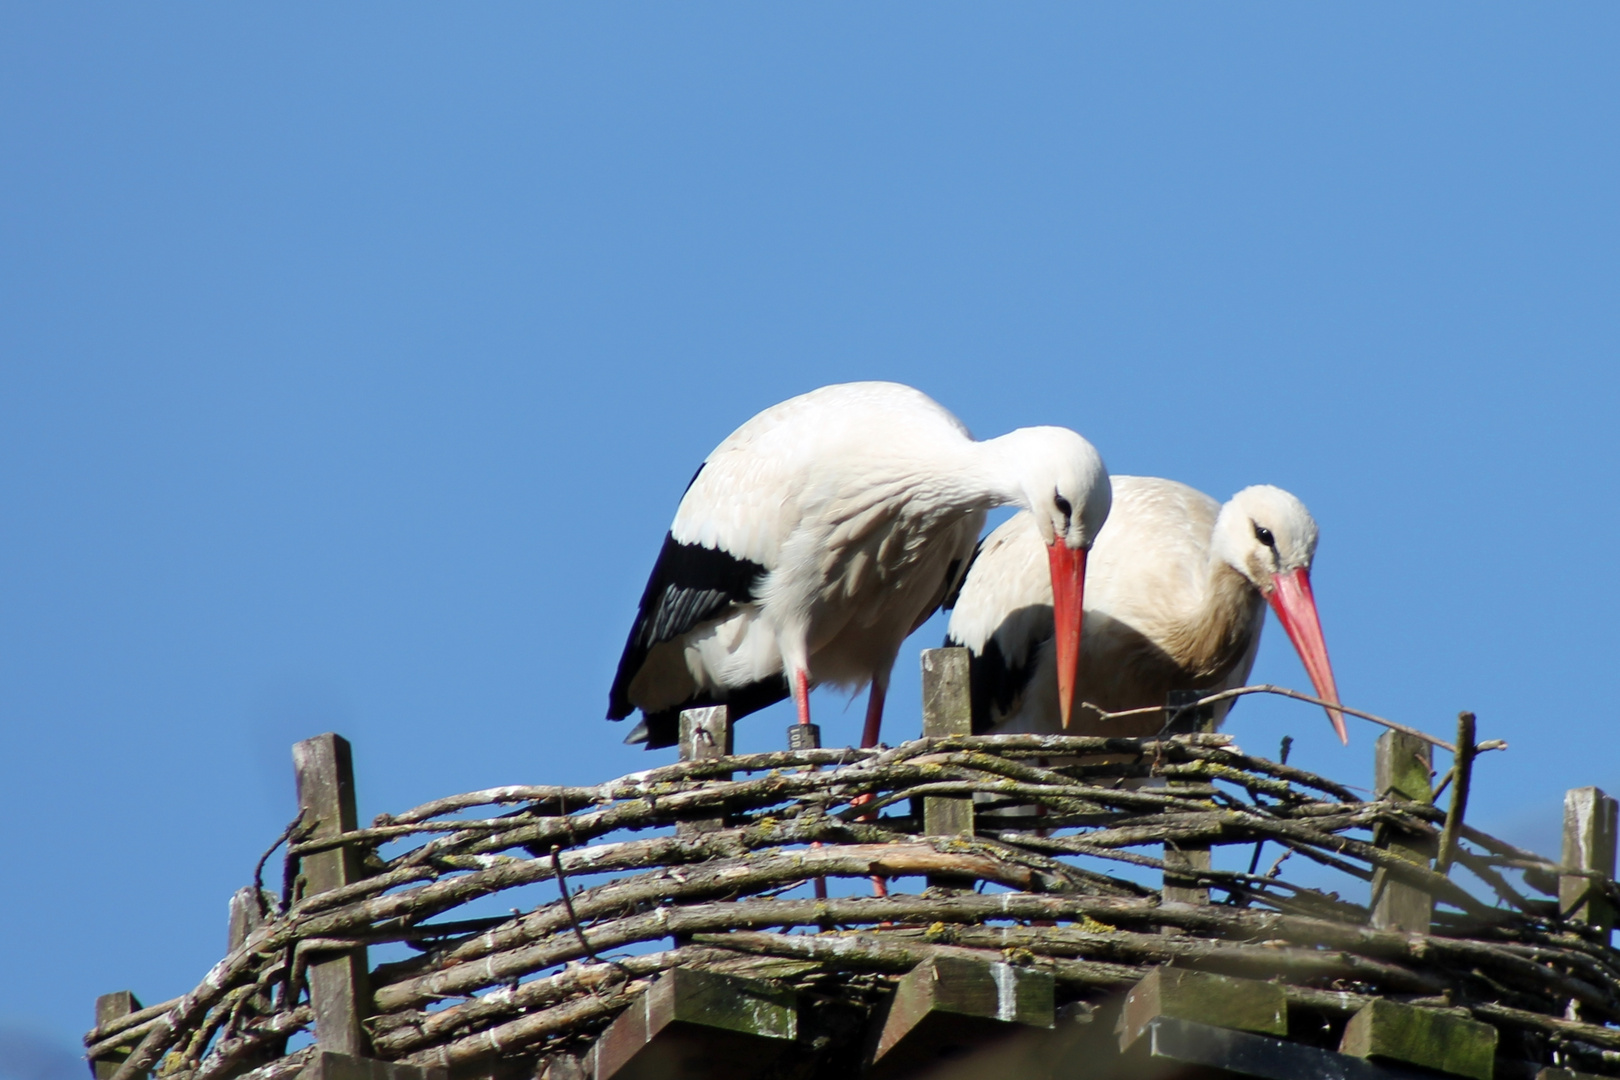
x: 1210, y: 637
x: 993, y: 474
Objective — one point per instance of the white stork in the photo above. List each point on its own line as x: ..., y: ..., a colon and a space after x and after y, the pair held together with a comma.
x: 1175, y: 600
x: 822, y: 532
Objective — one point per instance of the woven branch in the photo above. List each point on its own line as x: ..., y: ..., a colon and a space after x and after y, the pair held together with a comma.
x: 556, y: 973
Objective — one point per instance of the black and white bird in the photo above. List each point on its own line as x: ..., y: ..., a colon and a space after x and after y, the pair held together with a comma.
x: 825, y: 530
x: 1175, y: 600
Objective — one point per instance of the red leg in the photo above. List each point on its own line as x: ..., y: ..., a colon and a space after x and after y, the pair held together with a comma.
x: 801, y: 698
x: 874, y: 715
x: 869, y: 738
x: 801, y: 695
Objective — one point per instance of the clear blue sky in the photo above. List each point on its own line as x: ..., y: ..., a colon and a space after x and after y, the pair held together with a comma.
x: 354, y: 360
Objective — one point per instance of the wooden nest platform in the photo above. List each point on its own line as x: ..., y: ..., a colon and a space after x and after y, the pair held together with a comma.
x: 717, y: 918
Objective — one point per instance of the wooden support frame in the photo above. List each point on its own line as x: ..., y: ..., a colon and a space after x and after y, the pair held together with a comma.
x: 110, y: 1007
x: 1589, y: 845
x: 705, y: 734
x: 1218, y: 1000
x: 246, y: 912
x: 693, y: 1023
x: 339, y: 984
x: 947, y: 709
x: 1174, y: 1047
x: 948, y: 1004
x: 1183, y: 862
x: 1427, y: 1038
x: 1403, y: 769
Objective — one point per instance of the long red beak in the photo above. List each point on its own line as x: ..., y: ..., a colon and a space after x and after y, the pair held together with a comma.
x: 1068, y: 592
x: 1291, y: 599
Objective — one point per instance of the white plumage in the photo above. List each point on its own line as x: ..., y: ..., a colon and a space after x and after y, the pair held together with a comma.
x: 817, y: 536
x: 1175, y: 599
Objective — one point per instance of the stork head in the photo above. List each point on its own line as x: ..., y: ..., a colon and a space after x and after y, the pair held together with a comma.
x: 1063, y: 484
x: 1268, y: 536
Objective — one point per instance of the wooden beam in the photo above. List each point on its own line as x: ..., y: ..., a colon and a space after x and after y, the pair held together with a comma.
x: 698, y: 1024
x: 1402, y: 770
x: 110, y: 1007
x: 947, y: 709
x: 705, y: 734
x: 1183, y: 862
x: 1218, y: 1000
x: 327, y: 1065
x: 1182, y: 1048
x: 1589, y: 844
x: 1431, y: 1039
x: 948, y: 1004
x: 339, y: 984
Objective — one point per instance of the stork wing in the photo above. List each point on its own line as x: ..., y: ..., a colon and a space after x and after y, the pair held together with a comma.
x: 690, y: 584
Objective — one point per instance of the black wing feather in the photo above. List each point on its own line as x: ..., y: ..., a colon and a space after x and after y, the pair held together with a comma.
x: 690, y: 584
x: 995, y: 683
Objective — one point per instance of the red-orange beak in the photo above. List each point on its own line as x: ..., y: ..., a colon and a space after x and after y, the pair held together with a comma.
x: 1291, y: 599
x: 1068, y: 592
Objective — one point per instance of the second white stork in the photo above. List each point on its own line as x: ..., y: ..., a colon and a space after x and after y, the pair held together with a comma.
x: 1175, y: 600
x: 822, y: 532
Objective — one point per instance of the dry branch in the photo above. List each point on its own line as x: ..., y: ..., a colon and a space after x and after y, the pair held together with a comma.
x: 551, y: 975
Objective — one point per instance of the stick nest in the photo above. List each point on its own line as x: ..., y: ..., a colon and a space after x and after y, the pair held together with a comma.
x: 626, y: 896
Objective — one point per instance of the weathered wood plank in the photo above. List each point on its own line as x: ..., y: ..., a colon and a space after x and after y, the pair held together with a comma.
x: 705, y: 734
x: 1388, y: 1030
x: 948, y: 1004
x: 947, y: 709
x: 1182, y: 1048
x: 1218, y: 1000
x: 110, y: 1007
x: 1589, y: 844
x: 339, y: 984
x: 694, y: 1023
x: 1403, y: 769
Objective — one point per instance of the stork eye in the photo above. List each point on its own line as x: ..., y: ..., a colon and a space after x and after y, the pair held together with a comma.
x: 1063, y: 506
x: 1263, y: 534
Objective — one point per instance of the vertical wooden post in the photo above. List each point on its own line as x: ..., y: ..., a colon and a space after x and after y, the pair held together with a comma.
x: 110, y: 1007
x: 1589, y: 844
x: 246, y: 913
x: 1183, y: 862
x: 947, y: 709
x: 1403, y: 769
x: 705, y: 734
x: 339, y: 983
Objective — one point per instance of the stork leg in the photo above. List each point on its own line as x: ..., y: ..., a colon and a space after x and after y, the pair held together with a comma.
x: 869, y: 738
x: 874, y: 714
x: 801, y: 694
x: 801, y: 698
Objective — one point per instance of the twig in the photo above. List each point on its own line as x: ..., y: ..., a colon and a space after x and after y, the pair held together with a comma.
x: 258, y: 870
x: 1283, y: 691
x: 1463, y: 769
x: 568, y: 902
